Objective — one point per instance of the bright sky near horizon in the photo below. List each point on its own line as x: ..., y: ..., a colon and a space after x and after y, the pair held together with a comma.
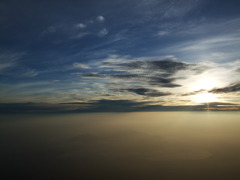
x: 122, y: 53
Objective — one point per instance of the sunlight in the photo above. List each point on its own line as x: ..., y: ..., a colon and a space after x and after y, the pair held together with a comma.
x: 204, y: 84
x: 201, y: 87
x: 205, y: 98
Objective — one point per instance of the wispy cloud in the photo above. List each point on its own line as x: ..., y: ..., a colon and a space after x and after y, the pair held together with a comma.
x: 5, y: 65
x: 103, y: 32
x: 20, y: 71
x: 201, y: 43
x: 146, y: 92
x: 8, y: 60
x: 80, y: 66
x: 81, y: 26
x: 10, y: 65
x: 162, y: 33
x: 91, y: 26
x: 67, y: 31
x: 177, y: 9
x: 100, y: 19
x: 194, y: 92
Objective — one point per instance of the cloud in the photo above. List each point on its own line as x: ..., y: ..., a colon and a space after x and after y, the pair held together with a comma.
x: 92, y: 106
x: 80, y: 66
x: 168, y: 66
x: 228, y: 89
x: 20, y: 71
x: 10, y: 66
x: 81, y: 26
x: 39, y: 107
x: 146, y: 92
x: 164, y: 80
x: 178, y: 9
x: 26, y: 72
x: 5, y: 65
x: 162, y: 33
x: 9, y: 60
x: 65, y: 31
x: 152, y: 72
x: 100, y: 19
x: 103, y: 32
x: 157, y: 81
x: 119, y: 76
x: 214, y: 48
x: 165, y: 66
x: 152, y: 77
x: 194, y: 92
x: 104, y: 105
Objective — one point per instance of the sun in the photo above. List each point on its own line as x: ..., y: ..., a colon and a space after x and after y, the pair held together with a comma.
x: 205, y: 98
x: 204, y: 83
x: 202, y: 87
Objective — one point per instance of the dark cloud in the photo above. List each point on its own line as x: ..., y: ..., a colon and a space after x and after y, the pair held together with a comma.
x: 167, y: 66
x: 117, y: 105
x: 194, y: 92
x: 105, y: 105
x: 155, y: 72
x: 119, y: 76
x: 163, y: 65
x: 163, y: 82
x: 92, y: 106
x: 155, y: 80
x: 93, y: 75
x: 228, y: 89
x: 39, y: 107
x: 146, y: 92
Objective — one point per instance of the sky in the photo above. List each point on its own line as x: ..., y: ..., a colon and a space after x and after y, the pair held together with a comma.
x: 119, y: 55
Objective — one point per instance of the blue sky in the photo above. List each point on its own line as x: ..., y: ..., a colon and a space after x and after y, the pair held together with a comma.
x: 145, y: 52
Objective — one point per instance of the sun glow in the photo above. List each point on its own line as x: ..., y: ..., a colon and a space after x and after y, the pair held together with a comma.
x: 205, y: 98
x: 201, y: 87
x: 204, y: 84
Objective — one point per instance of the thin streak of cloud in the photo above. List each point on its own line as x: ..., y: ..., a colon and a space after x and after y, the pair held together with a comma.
x: 80, y: 66
x: 194, y: 92
x: 5, y: 65
x: 162, y: 33
x: 146, y: 92
x: 9, y: 61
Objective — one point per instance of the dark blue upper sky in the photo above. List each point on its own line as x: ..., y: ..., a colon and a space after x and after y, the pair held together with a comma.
x: 65, y: 51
